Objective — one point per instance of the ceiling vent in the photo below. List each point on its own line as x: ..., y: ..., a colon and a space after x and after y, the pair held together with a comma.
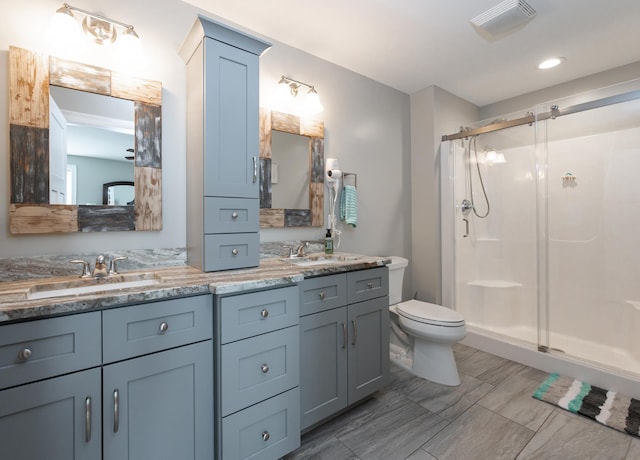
x: 504, y: 17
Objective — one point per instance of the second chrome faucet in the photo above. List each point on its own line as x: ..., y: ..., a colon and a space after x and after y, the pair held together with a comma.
x: 100, y: 269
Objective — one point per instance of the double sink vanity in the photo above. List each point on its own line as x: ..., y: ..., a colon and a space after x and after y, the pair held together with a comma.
x: 229, y: 357
x: 178, y: 363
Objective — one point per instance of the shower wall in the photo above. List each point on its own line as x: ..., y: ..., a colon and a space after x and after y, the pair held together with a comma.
x: 593, y: 219
x: 555, y: 263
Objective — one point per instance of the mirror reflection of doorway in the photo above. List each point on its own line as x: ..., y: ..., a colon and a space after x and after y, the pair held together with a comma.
x: 118, y: 193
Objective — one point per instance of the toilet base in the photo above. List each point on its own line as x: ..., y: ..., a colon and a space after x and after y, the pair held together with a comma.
x: 435, y: 362
x: 437, y: 366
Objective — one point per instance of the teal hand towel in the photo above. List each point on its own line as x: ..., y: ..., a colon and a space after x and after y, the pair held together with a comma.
x: 349, y: 205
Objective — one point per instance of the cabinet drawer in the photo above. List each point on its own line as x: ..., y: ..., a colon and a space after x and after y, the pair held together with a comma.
x: 246, y: 315
x: 265, y: 431
x: 229, y: 251
x: 231, y: 215
x: 150, y: 327
x: 367, y: 284
x: 257, y: 368
x: 48, y: 347
x: 323, y: 293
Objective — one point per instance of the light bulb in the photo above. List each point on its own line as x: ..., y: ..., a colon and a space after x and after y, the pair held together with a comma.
x: 65, y: 33
x: 312, y: 102
x: 283, y: 99
x: 129, y: 49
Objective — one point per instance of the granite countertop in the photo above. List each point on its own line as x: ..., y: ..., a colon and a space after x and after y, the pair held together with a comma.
x: 16, y: 303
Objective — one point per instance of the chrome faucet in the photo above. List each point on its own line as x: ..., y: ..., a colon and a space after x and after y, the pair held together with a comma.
x: 300, y: 251
x: 100, y: 268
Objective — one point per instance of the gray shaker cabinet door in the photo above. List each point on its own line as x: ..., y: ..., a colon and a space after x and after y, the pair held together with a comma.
x: 163, y: 408
x: 56, y: 419
x: 368, y: 347
x: 231, y: 121
x: 323, y: 379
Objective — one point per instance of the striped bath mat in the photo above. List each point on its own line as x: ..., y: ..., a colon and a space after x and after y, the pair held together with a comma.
x: 609, y: 408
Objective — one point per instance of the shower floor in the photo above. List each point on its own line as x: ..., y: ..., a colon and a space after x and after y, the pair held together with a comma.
x: 593, y: 353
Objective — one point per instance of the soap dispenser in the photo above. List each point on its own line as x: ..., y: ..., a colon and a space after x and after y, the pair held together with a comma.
x: 328, y: 242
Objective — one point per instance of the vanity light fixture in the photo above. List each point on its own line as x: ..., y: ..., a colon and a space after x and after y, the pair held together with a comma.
x: 65, y: 29
x: 287, y: 90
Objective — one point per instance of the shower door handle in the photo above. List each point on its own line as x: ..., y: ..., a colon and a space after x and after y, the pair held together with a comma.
x: 466, y: 228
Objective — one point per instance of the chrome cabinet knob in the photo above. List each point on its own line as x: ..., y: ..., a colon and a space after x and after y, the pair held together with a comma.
x: 24, y: 355
x: 234, y: 251
x: 264, y: 368
x: 264, y: 313
x: 234, y: 215
x: 265, y: 436
x: 164, y: 327
x: 369, y: 285
x: 321, y: 295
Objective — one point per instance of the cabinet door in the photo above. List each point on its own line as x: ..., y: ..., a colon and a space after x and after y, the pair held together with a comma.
x: 231, y: 121
x: 323, y: 364
x: 56, y: 419
x: 368, y: 347
x: 160, y: 406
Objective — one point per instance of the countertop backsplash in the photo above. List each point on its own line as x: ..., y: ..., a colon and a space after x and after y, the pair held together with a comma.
x: 46, y: 266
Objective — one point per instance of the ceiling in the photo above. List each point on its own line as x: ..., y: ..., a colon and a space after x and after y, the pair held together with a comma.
x: 412, y: 44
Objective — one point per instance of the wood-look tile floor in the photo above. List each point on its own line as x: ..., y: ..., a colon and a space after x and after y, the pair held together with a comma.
x: 490, y: 416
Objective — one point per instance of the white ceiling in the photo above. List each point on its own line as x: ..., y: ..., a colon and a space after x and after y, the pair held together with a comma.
x: 412, y: 44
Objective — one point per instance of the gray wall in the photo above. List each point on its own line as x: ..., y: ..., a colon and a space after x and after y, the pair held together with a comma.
x: 434, y: 112
x: 367, y: 129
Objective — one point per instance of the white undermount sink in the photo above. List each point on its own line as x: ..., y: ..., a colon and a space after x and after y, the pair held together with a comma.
x: 91, y: 286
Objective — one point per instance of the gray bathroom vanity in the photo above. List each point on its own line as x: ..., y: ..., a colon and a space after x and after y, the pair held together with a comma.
x: 225, y: 365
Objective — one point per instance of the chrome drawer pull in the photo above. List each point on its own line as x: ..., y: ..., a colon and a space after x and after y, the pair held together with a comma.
x: 164, y: 327
x: 234, y: 215
x: 264, y: 368
x: 87, y: 419
x: 255, y: 169
x: 24, y: 355
x: 264, y: 313
x: 116, y: 410
x: 321, y: 295
x: 234, y: 251
x: 265, y: 436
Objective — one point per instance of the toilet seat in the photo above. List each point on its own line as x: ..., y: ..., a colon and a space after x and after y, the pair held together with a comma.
x: 428, y: 313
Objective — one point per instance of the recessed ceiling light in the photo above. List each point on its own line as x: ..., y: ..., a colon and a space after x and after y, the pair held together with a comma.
x: 550, y: 63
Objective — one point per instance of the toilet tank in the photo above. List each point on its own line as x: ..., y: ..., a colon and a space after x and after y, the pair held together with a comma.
x: 396, y: 274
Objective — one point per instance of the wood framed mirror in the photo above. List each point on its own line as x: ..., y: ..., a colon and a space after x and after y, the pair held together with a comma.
x: 30, y: 209
x: 313, y: 132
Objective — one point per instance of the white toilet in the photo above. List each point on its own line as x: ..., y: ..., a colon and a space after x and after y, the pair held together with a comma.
x: 422, y: 334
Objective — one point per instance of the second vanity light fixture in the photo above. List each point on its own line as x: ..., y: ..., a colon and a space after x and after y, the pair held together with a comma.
x: 287, y: 90
x: 65, y: 30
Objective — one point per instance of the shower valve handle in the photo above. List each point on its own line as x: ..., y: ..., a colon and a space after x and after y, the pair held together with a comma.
x: 466, y: 206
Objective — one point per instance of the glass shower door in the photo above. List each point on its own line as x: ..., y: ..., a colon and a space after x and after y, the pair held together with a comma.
x: 495, y: 232
x: 593, y: 219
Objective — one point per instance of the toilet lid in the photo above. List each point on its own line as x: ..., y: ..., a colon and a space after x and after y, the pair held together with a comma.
x: 429, y: 313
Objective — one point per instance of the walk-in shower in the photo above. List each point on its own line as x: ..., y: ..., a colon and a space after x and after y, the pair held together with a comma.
x: 554, y: 268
